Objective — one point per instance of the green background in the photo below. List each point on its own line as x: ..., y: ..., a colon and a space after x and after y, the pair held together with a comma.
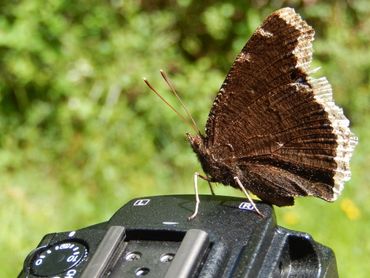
x: 81, y: 134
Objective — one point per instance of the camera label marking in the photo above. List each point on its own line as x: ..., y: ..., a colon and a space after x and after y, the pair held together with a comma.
x: 141, y: 202
x: 246, y: 206
x: 71, y: 273
x: 71, y: 234
x: 170, y: 223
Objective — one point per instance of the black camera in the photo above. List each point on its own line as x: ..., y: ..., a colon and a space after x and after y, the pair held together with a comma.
x: 152, y: 237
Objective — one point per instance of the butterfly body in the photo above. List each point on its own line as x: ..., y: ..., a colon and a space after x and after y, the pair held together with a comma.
x: 272, y: 126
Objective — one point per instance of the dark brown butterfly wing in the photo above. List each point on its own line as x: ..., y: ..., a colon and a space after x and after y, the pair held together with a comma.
x: 280, y: 126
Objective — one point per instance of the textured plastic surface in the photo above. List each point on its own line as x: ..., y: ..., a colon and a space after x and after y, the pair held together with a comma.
x: 239, y: 243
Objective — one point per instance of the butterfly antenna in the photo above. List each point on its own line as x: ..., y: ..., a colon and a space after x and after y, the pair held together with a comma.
x: 168, y: 104
x: 173, y: 90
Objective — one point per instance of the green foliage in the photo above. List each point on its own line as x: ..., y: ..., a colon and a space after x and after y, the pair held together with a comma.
x: 80, y: 134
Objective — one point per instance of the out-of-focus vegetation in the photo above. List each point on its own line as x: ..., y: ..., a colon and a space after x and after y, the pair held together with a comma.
x: 80, y: 134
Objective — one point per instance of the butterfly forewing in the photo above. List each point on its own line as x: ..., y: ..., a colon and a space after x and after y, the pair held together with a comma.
x: 267, y: 61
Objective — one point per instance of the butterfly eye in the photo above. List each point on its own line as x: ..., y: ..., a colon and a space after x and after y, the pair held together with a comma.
x: 298, y: 77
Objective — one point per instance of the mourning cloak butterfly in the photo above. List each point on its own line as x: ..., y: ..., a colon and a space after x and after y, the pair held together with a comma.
x: 273, y: 129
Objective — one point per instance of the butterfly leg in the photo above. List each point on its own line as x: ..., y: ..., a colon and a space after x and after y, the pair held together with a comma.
x: 211, y: 188
x: 247, y: 194
x: 197, y: 201
x: 209, y: 183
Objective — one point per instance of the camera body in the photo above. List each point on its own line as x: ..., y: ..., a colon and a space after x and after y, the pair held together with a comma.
x: 152, y: 237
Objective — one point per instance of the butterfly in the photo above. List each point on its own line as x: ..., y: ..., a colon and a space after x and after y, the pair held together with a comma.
x: 273, y: 129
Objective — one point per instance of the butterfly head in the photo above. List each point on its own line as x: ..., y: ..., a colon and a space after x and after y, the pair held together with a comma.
x: 197, y: 143
x: 216, y: 170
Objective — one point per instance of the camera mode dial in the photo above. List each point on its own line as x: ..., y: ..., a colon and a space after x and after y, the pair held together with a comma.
x: 58, y: 258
